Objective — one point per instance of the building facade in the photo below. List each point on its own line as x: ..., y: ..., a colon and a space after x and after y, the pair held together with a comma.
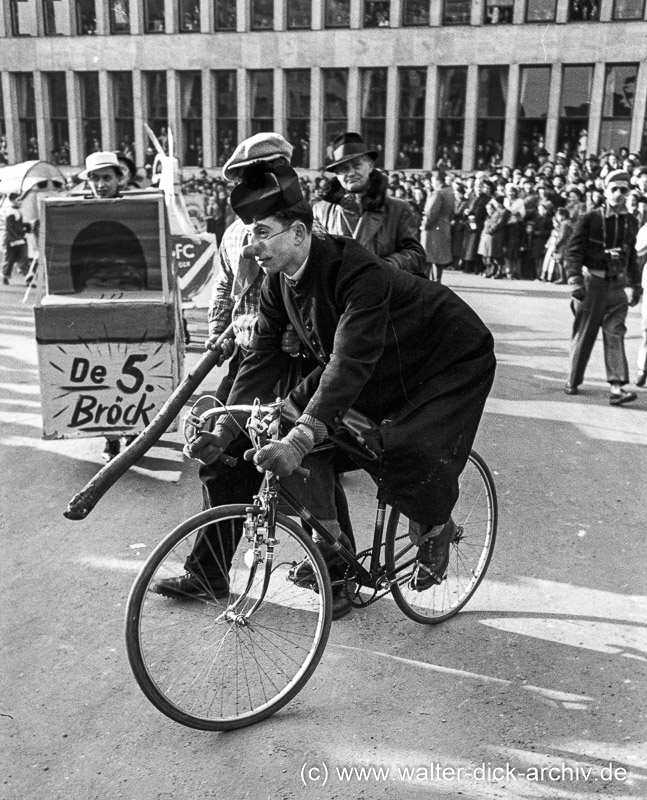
x: 463, y: 82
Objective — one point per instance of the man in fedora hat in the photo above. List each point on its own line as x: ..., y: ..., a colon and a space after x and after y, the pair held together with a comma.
x: 105, y: 174
x: 603, y: 241
x: 409, y: 357
x: 357, y: 205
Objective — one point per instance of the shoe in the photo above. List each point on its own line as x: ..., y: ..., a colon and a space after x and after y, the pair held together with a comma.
x: 570, y: 389
x: 432, y: 559
x: 341, y: 604
x: 111, y: 449
x: 641, y: 379
x: 189, y: 585
x: 622, y: 398
x: 5, y: 281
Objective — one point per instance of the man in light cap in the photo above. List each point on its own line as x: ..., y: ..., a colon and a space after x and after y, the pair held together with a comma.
x: 105, y: 174
x: 600, y: 264
x: 408, y: 357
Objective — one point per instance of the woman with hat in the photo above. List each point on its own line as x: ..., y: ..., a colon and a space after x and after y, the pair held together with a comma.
x: 357, y: 205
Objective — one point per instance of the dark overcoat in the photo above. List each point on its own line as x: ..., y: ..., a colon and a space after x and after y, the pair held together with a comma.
x: 407, y: 353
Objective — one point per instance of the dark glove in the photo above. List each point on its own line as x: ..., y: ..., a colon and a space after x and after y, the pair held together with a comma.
x: 577, y: 287
x: 208, y: 447
x: 636, y: 294
x: 284, y: 456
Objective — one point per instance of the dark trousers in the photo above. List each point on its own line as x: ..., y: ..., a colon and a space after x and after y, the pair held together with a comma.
x: 605, y: 306
x: 15, y: 256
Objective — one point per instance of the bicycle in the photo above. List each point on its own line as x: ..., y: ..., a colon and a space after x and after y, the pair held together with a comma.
x: 232, y: 658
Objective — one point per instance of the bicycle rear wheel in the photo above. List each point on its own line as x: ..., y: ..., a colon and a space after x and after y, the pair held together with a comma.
x: 475, y: 515
x: 220, y: 664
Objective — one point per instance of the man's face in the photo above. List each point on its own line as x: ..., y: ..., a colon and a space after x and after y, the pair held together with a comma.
x: 105, y: 182
x: 274, y: 246
x: 616, y: 195
x: 354, y: 174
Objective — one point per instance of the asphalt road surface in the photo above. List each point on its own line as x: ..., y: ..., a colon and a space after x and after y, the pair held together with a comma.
x: 536, y: 690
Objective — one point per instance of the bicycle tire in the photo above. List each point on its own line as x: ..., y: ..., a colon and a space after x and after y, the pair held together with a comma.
x: 476, y: 517
x: 193, y: 659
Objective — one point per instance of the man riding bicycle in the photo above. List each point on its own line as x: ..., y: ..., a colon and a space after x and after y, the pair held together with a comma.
x: 407, y: 357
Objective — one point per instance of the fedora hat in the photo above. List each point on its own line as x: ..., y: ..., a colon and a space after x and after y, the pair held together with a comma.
x: 102, y: 160
x: 259, y: 147
x: 346, y: 147
x: 264, y: 190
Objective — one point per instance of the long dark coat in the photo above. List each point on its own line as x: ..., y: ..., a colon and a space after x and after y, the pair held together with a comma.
x: 407, y: 353
x: 473, y: 236
x: 436, y: 232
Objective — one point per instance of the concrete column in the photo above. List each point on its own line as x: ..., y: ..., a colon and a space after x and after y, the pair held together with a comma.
x: 279, y: 102
x: 208, y: 120
x: 561, y: 17
x: 478, y: 10
x: 10, y: 97
x: 471, y: 100
x: 353, y: 100
x: 174, y: 117
x: 42, y: 116
x: 244, y: 121
x: 519, y: 12
x: 431, y: 124
x: 356, y: 13
x: 317, y: 154
x: 640, y: 109
x: 554, y: 104
x: 141, y: 137
x: 511, y: 115
x: 391, y: 138
x: 595, y: 116
x: 106, y: 108
x: 280, y: 15
x: 136, y: 17
x: 242, y: 16
x: 5, y: 25
x: 395, y: 14
x: 318, y: 12
x: 102, y: 19
x: 171, y: 16
x: 77, y: 155
x: 606, y: 10
x: 206, y: 26
x: 436, y: 14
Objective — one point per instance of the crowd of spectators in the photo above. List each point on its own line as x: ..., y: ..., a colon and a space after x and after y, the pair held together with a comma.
x: 508, y: 223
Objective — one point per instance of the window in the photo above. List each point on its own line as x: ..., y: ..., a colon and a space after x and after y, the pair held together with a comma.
x: 297, y: 90
x: 541, y: 10
x: 23, y: 18
x: 490, y: 128
x: 457, y: 12
x: 157, y: 111
x: 376, y: 13
x: 90, y: 112
x: 415, y: 12
x: 119, y: 16
x: 583, y: 10
x: 154, y: 16
x: 124, y: 112
x: 191, y: 115
x: 262, y: 15
x: 574, y: 108
x: 335, y: 103
x: 56, y: 17
x: 452, y: 86
x: 299, y: 14
x: 533, y: 112
x: 411, y: 125
x: 226, y: 114
x: 262, y: 99
x: 28, y: 146
x: 189, y: 16
x: 373, y: 110
x: 86, y: 18
x: 498, y: 12
x: 59, y: 123
x: 618, y: 105
x: 628, y: 9
x: 224, y: 14
x: 337, y: 13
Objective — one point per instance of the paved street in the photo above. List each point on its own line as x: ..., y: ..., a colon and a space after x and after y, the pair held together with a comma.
x: 536, y: 690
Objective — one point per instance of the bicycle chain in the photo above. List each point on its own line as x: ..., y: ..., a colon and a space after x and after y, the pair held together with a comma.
x: 348, y: 576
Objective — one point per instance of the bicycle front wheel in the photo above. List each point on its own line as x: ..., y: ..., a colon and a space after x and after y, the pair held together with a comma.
x: 224, y: 662
x: 475, y: 515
